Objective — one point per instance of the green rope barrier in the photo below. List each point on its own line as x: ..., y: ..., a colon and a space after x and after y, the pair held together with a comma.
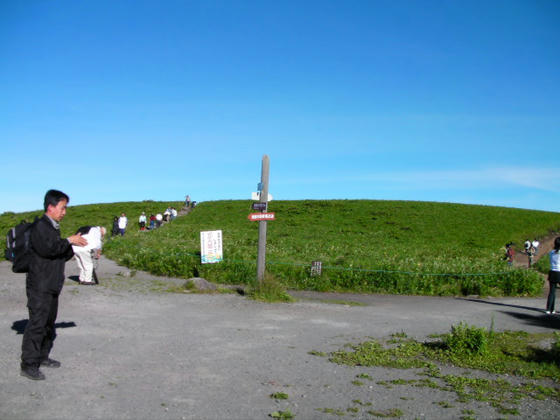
x: 366, y: 270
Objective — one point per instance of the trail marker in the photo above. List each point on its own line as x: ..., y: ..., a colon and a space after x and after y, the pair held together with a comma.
x: 253, y: 217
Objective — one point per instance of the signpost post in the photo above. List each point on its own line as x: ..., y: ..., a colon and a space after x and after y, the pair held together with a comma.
x: 261, y: 256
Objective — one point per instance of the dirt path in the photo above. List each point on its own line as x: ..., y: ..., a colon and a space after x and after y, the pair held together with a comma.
x: 547, y: 243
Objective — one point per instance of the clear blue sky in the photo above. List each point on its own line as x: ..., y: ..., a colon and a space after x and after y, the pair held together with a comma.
x: 455, y: 101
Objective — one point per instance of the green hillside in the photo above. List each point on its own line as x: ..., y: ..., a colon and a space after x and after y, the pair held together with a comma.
x: 364, y: 245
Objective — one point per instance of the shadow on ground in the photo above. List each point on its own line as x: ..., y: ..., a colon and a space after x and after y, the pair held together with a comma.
x: 19, y: 326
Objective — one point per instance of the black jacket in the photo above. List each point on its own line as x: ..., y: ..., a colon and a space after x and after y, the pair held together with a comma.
x: 50, y: 253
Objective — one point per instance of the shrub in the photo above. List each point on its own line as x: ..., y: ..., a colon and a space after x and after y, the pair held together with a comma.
x: 467, y: 339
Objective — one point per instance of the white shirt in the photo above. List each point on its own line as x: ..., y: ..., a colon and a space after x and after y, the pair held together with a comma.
x: 93, y: 238
x: 159, y: 217
x: 535, y: 244
x: 142, y: 218
x: 554, y: 260
x: 123, y: 221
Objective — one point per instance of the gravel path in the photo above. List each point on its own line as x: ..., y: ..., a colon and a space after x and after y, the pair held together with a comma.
x: 130, y: 351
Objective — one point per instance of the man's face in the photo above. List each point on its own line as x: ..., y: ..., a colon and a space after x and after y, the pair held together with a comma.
x: 57, y: 212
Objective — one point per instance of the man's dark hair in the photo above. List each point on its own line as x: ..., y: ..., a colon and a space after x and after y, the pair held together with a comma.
x: 53, y: 197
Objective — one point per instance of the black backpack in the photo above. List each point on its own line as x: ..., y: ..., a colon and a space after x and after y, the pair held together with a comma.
x: 18, y: 246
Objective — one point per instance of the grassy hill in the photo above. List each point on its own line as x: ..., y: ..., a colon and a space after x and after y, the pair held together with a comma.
x: 364, y: 245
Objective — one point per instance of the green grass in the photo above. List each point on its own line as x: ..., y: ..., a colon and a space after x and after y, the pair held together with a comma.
x: 509, y: 352
x: 523, y: 366
x: 364, y: 245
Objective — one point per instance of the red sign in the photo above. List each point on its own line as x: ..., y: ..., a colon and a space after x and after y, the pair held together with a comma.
x: 253, y: 217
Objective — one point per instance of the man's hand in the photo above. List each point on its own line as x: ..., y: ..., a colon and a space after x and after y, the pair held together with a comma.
x: 77, y: 240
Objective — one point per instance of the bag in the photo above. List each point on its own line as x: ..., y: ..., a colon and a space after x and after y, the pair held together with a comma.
x: 18, y: 246
x: 84, y: 230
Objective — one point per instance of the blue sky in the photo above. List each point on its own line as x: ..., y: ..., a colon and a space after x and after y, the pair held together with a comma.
x: 408, y: 100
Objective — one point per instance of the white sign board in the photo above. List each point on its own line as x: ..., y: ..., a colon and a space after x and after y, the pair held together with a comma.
x: 211, y: 247
x: 256, y: 196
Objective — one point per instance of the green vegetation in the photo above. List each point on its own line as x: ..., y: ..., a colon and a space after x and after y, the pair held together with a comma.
x: 282, y: 414
x: 508, y: 353
x: 279, y: 396
x: 364, y: 245
x: 390, y: 413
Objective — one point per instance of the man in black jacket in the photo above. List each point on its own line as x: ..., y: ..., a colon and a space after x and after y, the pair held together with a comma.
x: 44, y: 283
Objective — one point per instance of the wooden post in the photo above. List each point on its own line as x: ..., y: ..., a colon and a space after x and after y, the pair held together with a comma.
x: 261, y: 256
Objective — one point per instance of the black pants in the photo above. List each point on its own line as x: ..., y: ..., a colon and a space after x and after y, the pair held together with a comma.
x: 39, y: 332
x: 553, y: 279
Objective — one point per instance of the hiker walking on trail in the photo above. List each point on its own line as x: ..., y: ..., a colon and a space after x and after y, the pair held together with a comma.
x: 553, y: 276
x: 115, y: 230
x: 530, y: 251
x: 43, y: 284
x: 142, y: 221
x: 123, y: 221
x: 510, y: 253
x: 187, y: 201
x: 86, y: 254
x: 535, y: 244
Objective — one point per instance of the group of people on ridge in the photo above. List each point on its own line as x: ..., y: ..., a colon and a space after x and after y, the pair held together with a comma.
x: 155, y: 221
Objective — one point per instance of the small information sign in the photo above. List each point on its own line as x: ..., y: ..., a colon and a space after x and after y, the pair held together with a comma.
x: 316, y: 268
x: 259, y: 206
x: 261, y: 216
x: 211, y: 247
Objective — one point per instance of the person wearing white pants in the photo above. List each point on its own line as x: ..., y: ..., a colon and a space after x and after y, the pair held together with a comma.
x: 85, y: 254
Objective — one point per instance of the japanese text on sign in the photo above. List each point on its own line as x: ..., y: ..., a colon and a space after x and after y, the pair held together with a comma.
x: 211, y: 247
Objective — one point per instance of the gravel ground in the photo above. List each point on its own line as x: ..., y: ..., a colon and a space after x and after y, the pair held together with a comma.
x: 131, y: 351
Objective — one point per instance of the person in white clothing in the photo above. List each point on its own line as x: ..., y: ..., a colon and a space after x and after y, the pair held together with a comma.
x: 535, y: 244
x: 553, y: 276
x: 142, y: 221
x: 85, y: 254
x: 123, y: 221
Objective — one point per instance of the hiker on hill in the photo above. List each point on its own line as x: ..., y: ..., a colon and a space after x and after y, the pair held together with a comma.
x: 530, y: 251
x: 173, y: 213
x: 142, y: 221
x: 85, y: 255
x: 115, y: 230
x: 123, y: 221
x: 159, y: 220
x: 152, y: 221
x: 535, y: 244
x: 510, y: 253
x: 44, y: 283
x: 553, y: 276
x: 187, y: 201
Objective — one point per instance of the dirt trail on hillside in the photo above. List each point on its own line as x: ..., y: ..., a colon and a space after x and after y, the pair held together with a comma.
x: 547, y: 243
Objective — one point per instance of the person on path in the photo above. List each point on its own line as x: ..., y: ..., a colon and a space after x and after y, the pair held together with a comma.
x: 115, y: 230
x: 123, y: 221
x: 535, y: 244
x: 43, y: 284
x: 187, y: 201
x: 86, y: 254
x: 142, y: 221
x: 553, y: 276
x: 510, y: 253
